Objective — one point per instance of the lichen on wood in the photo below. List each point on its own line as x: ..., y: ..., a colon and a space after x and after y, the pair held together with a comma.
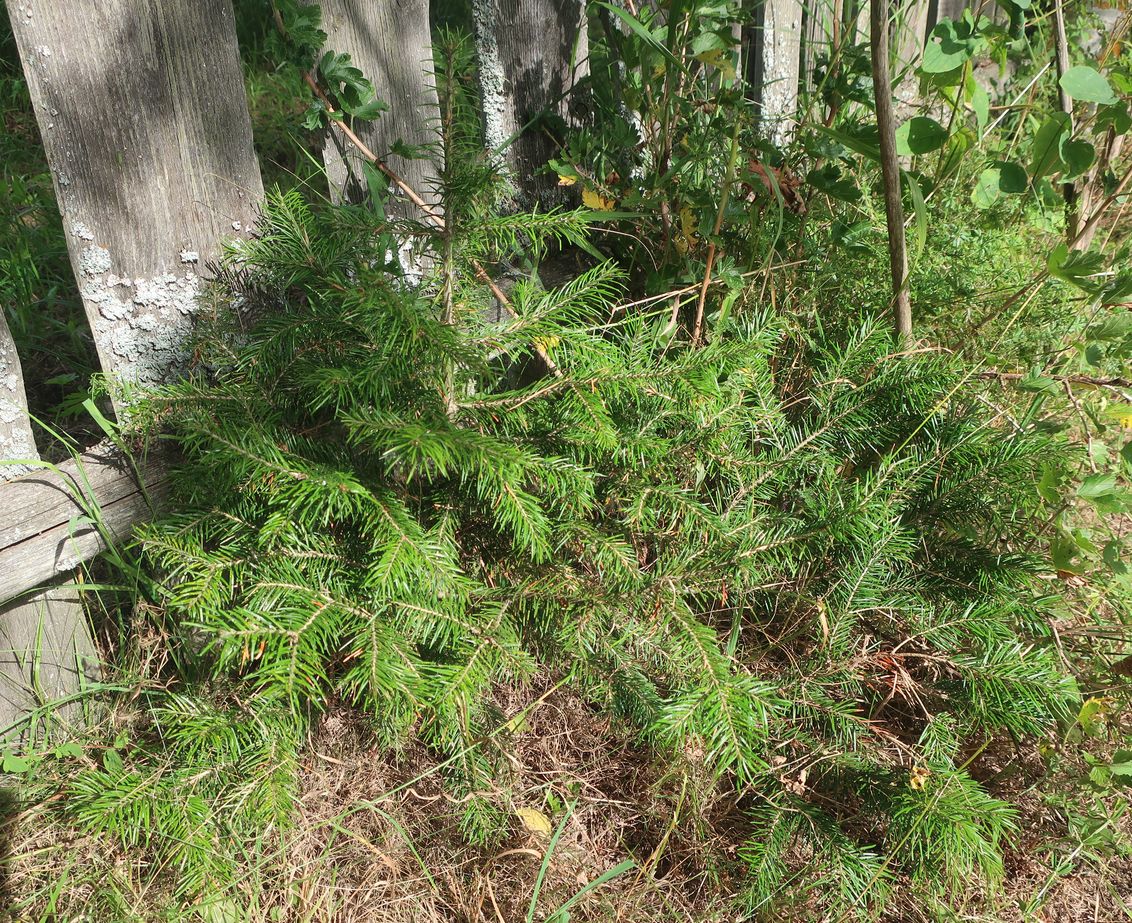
x: 532, y: 55
x: 146, y: 129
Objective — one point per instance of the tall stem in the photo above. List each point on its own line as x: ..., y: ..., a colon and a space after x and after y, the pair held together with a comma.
x: 890, y: 169
x: 1061, y: 51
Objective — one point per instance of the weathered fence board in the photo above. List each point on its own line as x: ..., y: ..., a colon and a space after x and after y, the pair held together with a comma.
x: 16, y: 439
x: 775, y: 64
x: 147, y: 133
x: 48, y: 530
x: 909, y: 33
x: 46, y: 656
x: 45, y: 645
x: 532, y: 54
x: 391, y: 42
x: 145, y: 124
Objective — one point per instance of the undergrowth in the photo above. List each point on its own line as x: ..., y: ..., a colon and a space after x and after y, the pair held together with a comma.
x: 791, y: 585
x: 798, y: 562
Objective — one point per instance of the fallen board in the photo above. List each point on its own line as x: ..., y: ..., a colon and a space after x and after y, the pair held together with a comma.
x: 49, y: 525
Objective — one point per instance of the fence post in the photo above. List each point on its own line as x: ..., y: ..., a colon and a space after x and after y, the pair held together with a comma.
x: 45, y: 646
x: 392, y: 45
x: 775, y: 64
x: 911, y: 33
x: 532, y: 55
x: 145, y: 124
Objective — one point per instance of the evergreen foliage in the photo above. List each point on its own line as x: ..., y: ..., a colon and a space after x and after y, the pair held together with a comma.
x: 796, y: 561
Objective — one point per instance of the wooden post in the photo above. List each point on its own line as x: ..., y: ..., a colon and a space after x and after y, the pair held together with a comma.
x: 911, y: 34
x: 1061, y: 57
x: 391, y: 43
x: 890, y: 168
x: 146, y: 130
x: 951, y: 9
x: 45, y: 646
x: 775, y: 64
x: 532, y: 54
x: 145, y: 124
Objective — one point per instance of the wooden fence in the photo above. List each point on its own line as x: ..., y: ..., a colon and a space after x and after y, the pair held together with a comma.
x: 145, y: 124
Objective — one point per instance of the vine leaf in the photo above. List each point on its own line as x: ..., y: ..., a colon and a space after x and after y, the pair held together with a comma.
x: 1087, y: 85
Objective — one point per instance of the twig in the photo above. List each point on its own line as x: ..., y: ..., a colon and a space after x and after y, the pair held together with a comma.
x: 728, y: 180
x: 1064, y: 379
x: 429, y: 212
x: 1061, y: 53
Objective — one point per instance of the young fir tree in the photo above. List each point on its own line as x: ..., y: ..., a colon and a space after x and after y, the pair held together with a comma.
x: 793, y: 562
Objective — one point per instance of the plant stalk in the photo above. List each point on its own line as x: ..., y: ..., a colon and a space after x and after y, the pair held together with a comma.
x: 890, y: 170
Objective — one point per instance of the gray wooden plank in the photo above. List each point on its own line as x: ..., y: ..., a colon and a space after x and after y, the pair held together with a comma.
x: 46, y: 649
x: 777, y: 58
x: 390, y: 41
x: 144, y: 120
x: 48, y: 532
x: 532, y: 54
x: 47, y: 658
x: 16, y: 438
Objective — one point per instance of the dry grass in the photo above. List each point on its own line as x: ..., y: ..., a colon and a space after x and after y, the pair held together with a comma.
x: 376, y: 838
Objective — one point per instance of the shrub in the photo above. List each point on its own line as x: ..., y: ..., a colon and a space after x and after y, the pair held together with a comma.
x: 797, y: 562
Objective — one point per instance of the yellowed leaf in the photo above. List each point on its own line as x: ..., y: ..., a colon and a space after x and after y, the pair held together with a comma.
x: 719, y: 59
x: 534, y: 821
x: 685, y: 238
x: 566, y: 180
x: 596, y: 200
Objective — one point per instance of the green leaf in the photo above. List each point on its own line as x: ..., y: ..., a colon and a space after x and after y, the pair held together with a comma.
x: 14, y: 764
x: 920, y: 135
x: 1036, y: 382
x: 369, y: 110
x: 1113, y: 328
x: 1115, y: 117
x: 863, y: 140
x: 920, y: 212
x: 1076, y: 267
x: 1091, y: 716
x: 1062, y: 551
x: 952, y: 154
x: 1088, y: 85
x: 833, y: 182
x: 1012, y: 179
x: 1045, y: 151
x: 1111, y: 555
x: 312, y: 118
x: 979, y: 101
x: 988, y: 189
x: 640, y: 30
x: 947, y: 48
x: 1101, y: 491
x: 1077, y: 156
x: 1121, y: 764
x: 69, y: 750
x: 378, y: 185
